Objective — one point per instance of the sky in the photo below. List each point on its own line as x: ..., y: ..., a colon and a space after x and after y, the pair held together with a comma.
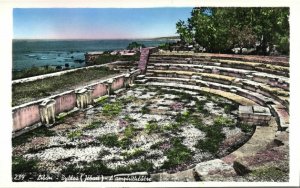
x: 96, y: 23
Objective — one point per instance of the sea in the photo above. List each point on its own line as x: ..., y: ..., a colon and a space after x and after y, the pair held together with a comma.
x: 39, y: 53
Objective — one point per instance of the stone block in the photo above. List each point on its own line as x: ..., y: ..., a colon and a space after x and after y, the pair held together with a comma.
x: 261, y: 110
x: 211, y: 167
x: 47, y: 111
x: 245, y: 110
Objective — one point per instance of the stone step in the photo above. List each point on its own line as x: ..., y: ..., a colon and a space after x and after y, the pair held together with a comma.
x: 250, y: 66
x: 279, y: 111
x: 256, y: 97
x: 227, y: 80
x: 282, y: 61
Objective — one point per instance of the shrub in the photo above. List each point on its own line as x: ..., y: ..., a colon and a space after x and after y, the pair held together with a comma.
x: 246, y: 128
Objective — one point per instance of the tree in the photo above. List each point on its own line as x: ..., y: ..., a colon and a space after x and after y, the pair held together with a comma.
x: 219, y: 29
x: 134, y: 45
x: 185, y: 33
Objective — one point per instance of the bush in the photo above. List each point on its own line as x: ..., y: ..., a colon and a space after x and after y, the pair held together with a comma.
x: 134, y: 45
x: 246, y: 128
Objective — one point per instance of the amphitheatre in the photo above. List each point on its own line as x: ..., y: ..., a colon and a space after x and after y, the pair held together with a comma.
x: 171, y: 116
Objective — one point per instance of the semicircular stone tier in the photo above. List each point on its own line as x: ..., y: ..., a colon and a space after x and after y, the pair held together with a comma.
x: 261, y: 79
x: 260, y: 84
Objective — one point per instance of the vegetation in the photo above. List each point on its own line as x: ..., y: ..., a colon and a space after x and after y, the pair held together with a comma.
x: 109, y: 140
x: 129, y: 131
x: 74, y: 134
x: 246, y: 128
x: 21, y: 165
x: 93, y: 125
x: 41, y: 131
x: 220, y: 29
x: 108, y: 58
x: 145, y: 109
x: 33, y: 71
x: 178, y: 154
x: 214, y: 134
x: 112, y: 109
x: 135, y: 154
x: 221, y: 121
x: 152, y: 127
x: 26, y: 92
x: 270, y: 174
x: 135, y: 45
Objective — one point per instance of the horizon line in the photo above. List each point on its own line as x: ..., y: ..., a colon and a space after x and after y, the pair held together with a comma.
x: 96, y: 38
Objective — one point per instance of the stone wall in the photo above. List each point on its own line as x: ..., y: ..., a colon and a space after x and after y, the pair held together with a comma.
x: 35, y: 112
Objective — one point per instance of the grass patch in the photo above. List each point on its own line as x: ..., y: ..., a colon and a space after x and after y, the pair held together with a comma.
x: 93, y: 125
x: 74, y: 134
x: 145, y: 109
x: 125, y: 143
x: 173, y: 127
x: 178, y: 154
x: 93, y: 168
x: 223, y: 122
x: 101, y: 100
x: 128, y: 118
x: 107, y: 58
x: 214, y: 137
x: 41, y: 131
x: 109, y: 140
x: 131, y: 155
x: 246, y: 128
x: 129, y: 131
x: 26, y: 92
x: 112, y: 109
x: 152, y: 127
x: 200, y: 107
x: 269, y: 174
x: 33, y: 71
x: 21, y: 165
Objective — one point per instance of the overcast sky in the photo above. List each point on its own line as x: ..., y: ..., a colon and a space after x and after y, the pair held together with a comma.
x: 105, y: 23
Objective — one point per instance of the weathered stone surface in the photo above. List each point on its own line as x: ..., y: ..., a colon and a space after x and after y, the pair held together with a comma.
x: 211, y: 167
x: 245, y: 110
x: 240, y: 168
